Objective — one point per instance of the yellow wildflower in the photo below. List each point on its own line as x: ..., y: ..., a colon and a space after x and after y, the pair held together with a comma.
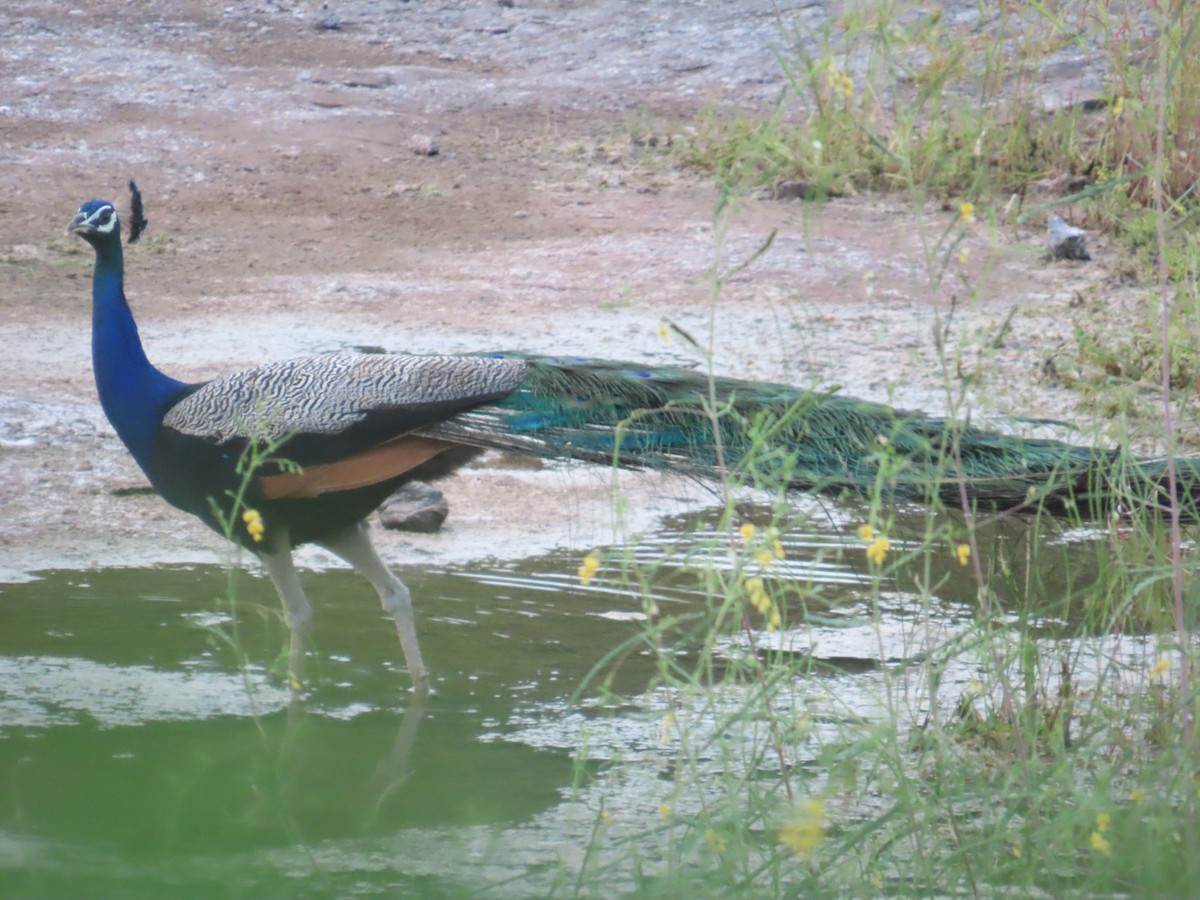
x: 759, y: 598
x: 715, y: 842
x: 747, y: 532
x: 777, y: 549
x: 1100, y: 844
x: 805, y: 830
x: 254, y: 524
x: 967, y: 211
x: 765, y: 559
x: 1137, y: 795
x: 840, y: 82
x: 964, y: 553
x: 762, y: 602
x: 1017, y: 852
x: 605, y: 818
x: 587, y: 570
x: 1160, y: 669
x: 664, y: 810
x: 866, y: 532
x: 664, y: 333
x: 1103, y: 820
x: 1118, y: 107
x: 963, y: 254
x: 878, y: 549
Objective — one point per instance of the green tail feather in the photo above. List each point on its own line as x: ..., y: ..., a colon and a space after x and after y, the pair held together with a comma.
x: 771, y: 435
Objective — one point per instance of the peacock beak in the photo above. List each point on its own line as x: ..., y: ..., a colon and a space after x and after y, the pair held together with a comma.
x: 79, y: 225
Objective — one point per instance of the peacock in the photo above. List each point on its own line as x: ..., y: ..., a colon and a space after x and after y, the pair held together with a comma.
x: 302, y: 450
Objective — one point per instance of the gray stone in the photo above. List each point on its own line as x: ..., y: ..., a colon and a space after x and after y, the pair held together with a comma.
x: 415, y: 506
x: 1066, y: 241
x: 423, y: 145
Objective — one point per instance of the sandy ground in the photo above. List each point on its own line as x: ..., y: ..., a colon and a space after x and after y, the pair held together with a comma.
x: 291, y: 212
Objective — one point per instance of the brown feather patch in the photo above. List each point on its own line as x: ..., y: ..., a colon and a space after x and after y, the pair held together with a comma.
x: 370, y: 467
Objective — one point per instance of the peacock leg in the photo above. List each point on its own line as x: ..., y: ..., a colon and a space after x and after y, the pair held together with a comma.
x: 296, y: 608
x: 354, y: 546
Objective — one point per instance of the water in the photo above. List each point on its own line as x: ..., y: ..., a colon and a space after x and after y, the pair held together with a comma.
x: 142, y: 755
x: 134, y: 753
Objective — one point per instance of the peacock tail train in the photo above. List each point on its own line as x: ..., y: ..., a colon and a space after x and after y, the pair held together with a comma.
x: 772, y: 435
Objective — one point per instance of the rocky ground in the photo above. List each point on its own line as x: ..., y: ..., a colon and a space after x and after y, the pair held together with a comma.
x: 296, y: 206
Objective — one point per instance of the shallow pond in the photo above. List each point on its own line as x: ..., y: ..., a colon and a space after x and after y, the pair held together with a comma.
x: 144, y: 752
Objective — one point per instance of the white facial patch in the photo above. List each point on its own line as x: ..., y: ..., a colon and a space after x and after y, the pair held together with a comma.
x: 105, y: 219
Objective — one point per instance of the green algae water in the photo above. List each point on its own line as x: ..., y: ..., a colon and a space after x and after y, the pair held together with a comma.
x: 139, y: 758
x: 146, y: 752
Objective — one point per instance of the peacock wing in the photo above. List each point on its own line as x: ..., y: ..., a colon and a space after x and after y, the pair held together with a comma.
x: 344, y: 420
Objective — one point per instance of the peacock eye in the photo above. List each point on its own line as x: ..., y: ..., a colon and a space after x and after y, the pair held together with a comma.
x: 105, y: 216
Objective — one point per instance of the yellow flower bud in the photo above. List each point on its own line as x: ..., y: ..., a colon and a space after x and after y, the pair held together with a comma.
x: 878, y: 550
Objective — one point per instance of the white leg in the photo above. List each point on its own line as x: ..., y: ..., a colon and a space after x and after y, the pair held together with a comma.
x: 296, y: 608
x: 354, y: 546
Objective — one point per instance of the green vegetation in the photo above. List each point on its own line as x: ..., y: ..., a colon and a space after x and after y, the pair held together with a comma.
x: 1027, y: 724
x: 1045, y: 744
x: 892, y: 97
x: 897, y: 98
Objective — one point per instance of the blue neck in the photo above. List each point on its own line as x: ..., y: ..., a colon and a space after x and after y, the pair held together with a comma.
x: 134, y: 394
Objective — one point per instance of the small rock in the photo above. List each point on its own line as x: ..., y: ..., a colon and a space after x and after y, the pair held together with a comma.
x: 790, y: 190
x: 327, y: 20
x: 423, y: 145
x: 1066, y: 241
x: 415, y: 507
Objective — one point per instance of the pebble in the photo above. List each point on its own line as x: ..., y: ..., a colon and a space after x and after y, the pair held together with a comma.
x: 423, y: 145
x: 416, y: 507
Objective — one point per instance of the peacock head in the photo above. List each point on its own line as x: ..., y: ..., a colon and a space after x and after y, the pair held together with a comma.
x: 97, y: 223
